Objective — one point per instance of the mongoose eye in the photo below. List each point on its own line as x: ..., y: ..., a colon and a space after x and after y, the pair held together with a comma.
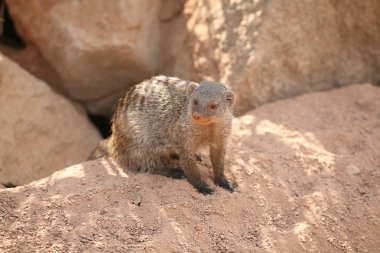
x: 212, y: 106
x: 195, y: 102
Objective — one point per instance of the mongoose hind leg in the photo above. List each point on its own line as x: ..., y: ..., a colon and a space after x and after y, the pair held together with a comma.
x: 168, y: 164
x: 172, y: 165
x: 103, y: 148
x: 177, y: 173
x: 171, y: 173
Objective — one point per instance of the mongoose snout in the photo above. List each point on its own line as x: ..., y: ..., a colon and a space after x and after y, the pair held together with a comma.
x: 197, y: 117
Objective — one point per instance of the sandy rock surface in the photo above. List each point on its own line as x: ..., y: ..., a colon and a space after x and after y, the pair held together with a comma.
x: 307, y: 172
x: 268, y: 50
x: 41, y: 132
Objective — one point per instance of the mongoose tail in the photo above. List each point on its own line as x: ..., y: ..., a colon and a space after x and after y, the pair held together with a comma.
x: 104, y: 148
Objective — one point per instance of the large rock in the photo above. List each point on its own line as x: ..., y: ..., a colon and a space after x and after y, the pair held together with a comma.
x: 30, y: 59
x: 265, y: 50
x: 98, y: 48
x: 41, y: 131
x: 268, y: 50
x: 295, y: 194
x: 176, y: 56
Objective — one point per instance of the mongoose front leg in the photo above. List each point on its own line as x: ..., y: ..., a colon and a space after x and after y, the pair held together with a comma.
x: 192, y: 173
x: 217, y: 160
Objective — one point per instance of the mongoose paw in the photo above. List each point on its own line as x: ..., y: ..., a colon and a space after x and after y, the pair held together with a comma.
x: 177, y: 174
x: 203, y: 188
x: 222, y: 182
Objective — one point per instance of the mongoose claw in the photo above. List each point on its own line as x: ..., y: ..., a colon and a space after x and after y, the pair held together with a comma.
x: 224, y: 184
x: 177, y: 174
x: 203, y: 188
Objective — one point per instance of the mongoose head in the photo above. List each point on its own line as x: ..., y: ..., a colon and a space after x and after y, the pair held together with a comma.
x: 209, y: 102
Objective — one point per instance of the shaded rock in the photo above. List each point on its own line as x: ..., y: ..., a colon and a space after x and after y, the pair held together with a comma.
x: 41, y: 131
x: 176, y: 55
x: 98, y: 58
x: 137, y: 199
x: 103, y: 106
x: 268, y: 50
x: 310, y: 138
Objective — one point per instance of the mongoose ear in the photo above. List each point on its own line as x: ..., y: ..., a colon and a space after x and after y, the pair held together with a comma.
x: 230, y: 96
x: 191, y: 88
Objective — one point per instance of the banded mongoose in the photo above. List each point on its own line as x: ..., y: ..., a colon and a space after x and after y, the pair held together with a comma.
x: 166, y: 117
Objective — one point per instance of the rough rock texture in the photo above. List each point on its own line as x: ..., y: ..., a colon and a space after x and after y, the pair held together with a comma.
x: 96, y: 47
x: 31, y: 60
x: 268, y: 50
x: 308, y: 175
x: 41, y: 131
x: 176, y: 58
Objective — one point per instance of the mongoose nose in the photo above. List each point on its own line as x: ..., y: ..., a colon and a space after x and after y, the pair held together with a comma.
x: 196, y: 116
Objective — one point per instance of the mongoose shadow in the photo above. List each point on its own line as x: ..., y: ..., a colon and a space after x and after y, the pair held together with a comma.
x: 161, y: 124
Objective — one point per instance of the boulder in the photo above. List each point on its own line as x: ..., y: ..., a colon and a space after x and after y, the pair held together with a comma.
x: 288, y: 160
x: 267, y: 50
x: 30, y: 59
x: 264, y: 50
x: 97, y: 48
x: 41, y: 131
x: 176, y: 55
